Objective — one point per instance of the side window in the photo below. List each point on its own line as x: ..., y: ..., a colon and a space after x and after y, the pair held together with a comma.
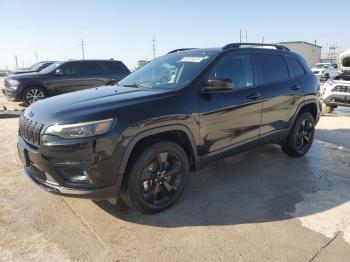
x: 70, y: 68
x: 114, y: 67
x: 272, y: 68
x: 237, y: 67
x: 89, y: 67
x: 294, y: 66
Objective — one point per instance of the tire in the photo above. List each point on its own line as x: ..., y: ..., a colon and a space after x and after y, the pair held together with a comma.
x: 157, y: 178
x: 327, y: 108
x: 301, y: 136
x: 33, y: 94
x: 327, y: 77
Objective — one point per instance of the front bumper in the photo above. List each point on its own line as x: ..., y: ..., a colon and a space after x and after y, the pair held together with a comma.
x: 51, y: 165
x: 337, y: 99
x: 11, y: 95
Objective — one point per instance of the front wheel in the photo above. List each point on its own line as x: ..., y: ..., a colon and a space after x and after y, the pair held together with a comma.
x: 157, y: 177
x: 33, y: 94
x: 301, y: 136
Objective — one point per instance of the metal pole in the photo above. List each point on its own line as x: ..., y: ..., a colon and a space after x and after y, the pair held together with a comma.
x: 154, y: 48
x: 16, y: 61
x: 82, y: 48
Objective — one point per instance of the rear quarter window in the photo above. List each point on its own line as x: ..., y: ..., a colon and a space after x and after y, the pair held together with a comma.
x: 272, y: 68
x: 295, y: 69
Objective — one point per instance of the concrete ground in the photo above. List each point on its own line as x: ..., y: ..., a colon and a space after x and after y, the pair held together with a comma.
x: 256, y: 206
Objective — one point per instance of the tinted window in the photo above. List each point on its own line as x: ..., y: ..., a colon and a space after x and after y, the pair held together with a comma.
x: 70, y: 68
x: 272, y: 68
x: 114, y: 67
x: 237, y: 67
x: 89, y: 67
x: 294, y: 66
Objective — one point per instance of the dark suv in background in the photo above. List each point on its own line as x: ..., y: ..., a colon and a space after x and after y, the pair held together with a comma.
x: 63, y: 77
x: 140, y: 138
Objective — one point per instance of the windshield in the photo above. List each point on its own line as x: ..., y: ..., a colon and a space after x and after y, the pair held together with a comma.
x: 50, y: 68
x: 321, y: 66
x: 36, y: 67
x: 169, y: 72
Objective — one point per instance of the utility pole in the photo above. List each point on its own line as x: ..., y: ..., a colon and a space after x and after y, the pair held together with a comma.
x: 16, y: 61
x: 240, y: 36
x: 246, y: 36
x: 82, y: 48
x: 36, y: 56
x: 154, y: 48
x: 263, y: 40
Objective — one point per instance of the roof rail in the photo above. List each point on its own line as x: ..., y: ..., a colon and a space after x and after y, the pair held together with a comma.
x: 238, y: 45
x: 180, y: 49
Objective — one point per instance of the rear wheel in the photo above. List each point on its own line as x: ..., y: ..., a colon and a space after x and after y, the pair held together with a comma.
x: 301, y: 136
x: 33, y: 94
x: 157, y: 178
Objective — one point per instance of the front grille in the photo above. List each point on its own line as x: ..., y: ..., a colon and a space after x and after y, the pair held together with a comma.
x: 30, y: 130
x: 316, y: 72
x: 342, y: 89
x: 6, y: 83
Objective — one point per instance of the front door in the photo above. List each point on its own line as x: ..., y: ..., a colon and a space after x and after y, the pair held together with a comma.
x: 231, y: 117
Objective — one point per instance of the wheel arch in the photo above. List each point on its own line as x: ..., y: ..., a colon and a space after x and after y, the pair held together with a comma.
x: 310, y: 105
x: 177, y: 133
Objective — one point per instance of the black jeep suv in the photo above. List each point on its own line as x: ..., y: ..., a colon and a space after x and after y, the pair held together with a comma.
x: 140, y: 138
x: 63, y: 77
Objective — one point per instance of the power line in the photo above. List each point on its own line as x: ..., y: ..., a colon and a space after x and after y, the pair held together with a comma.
x: 154, y: 47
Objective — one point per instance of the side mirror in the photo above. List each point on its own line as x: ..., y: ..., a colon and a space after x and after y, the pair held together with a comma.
x: 219, y: 84
x: 58, y: 71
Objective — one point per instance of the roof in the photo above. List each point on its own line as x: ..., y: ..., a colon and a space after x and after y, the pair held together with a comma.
x: 299, y: 42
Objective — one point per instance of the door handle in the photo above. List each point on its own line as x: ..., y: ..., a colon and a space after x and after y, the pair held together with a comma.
x: 295, y: 87
x: 253, y: 96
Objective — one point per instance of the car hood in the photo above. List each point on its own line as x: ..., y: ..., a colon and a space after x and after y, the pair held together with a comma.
x: 87, y: 105
x: 24, y: 75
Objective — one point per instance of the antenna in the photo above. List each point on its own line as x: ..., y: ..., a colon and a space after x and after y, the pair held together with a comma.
x: 154, y: 47
x: 82, y: 48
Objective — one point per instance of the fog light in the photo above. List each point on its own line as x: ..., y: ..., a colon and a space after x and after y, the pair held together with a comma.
x: 73, y: 174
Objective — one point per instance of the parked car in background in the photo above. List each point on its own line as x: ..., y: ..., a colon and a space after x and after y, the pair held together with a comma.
x: 336, y: 92
x: 63, y: 77
x: 325, y: 71
x: 33, y: 69
x: 140, y: 138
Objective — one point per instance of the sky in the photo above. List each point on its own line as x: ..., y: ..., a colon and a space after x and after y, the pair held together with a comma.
x: 123, y: 29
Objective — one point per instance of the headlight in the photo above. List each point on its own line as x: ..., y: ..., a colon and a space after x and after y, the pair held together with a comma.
x: 80, y: 130
x: 13, y: 83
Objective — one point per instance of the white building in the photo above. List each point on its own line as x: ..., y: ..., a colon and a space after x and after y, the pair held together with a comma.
x: 311, y: 52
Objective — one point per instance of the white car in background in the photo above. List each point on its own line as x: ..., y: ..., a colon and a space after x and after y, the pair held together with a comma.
x: 325, y: 71
x: 336, y: 92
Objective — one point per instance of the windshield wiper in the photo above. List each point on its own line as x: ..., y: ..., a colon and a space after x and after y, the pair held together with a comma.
x: 138, y: 85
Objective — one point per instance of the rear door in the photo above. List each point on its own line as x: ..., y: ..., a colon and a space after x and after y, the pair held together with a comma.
x: 231, y: 117
x: 282, y: 92
x: 115, y: 70
x: 91, y: 74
